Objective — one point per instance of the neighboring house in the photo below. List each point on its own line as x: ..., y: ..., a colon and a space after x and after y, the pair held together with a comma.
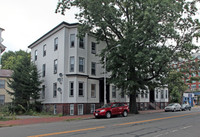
x: 4, y: 75
x: 5, y: 98
x: 71, y: 70
x: 2, y: 47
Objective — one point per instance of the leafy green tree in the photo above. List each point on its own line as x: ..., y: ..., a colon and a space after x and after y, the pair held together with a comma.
x: 10, y: 58
x: 176, y: 86
x: 175, y: 95
x: 25, y: 84
x: 151, y: 34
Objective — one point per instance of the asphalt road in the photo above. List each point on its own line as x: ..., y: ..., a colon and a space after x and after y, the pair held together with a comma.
x: 165, y: 124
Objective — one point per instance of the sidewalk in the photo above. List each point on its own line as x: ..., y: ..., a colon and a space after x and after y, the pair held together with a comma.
x: 34, y: 120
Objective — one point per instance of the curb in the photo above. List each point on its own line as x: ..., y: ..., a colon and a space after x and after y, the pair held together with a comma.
x: 30, y: 121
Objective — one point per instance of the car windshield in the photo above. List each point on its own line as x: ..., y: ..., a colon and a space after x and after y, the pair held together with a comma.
x: 171, y: 104
x: 183, y: 105
x: 106, y: 105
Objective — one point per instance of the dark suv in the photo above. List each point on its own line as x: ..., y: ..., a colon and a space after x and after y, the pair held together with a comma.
x: 185, y: 107
x: 110, y: 109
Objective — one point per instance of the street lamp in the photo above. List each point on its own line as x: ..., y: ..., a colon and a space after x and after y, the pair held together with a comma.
x: 105, y: 72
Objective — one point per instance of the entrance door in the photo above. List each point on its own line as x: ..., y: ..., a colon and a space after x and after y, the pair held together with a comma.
x: 152, y: 96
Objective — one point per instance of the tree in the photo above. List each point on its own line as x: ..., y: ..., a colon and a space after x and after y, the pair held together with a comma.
x: 10, y: 58
x: 176, y: 86
x: 152, y: 33
x: 34, y: 84
x: 25, y: 83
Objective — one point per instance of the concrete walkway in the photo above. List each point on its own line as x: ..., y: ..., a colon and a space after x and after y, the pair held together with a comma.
x: 25, y: 120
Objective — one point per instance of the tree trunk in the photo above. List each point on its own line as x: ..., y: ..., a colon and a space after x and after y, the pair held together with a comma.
x: 133, y: 104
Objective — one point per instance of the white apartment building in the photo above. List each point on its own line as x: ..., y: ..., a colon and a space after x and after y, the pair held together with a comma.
x: 72, y: 75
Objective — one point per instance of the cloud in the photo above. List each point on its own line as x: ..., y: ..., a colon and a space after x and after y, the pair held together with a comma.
x: 25, y: 21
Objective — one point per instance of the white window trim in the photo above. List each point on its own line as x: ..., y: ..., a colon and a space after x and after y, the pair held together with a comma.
x: 92, y: 108
x: 73, y: 40
x: 80, y: 112
x: 94, y: 91
x: 83, y: 89
x: 83, y: 59
x: 71, y: 89
x: 71, y: 109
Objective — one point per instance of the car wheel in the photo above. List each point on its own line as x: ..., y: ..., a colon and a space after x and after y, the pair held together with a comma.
x: 108, y: 115
x: 125, y: 114
x: 174, y: 110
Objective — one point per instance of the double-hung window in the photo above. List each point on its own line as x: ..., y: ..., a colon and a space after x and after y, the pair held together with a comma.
x: 93, y: 68
x: 80, y: 109
x: 72, y: 40
x: 162, y: 94
x: 43, y: 70
x: 146, y: 94
x: 71, y: 109
x: 2, y: 83
x: 71, y: 85
x: 55, y: 66
x: 92, y: 108
x: 122, y: 93
x: 81, y: 43
x: 36, y: 54
x: 55, y: 44
x: 81, y: 64
x: 43, y: 91
x: 44, y: 50
x: 142, y: 94
x: 93, y: 90
x: 156, y: 94
x: 113, y: 91
x: 2, y: 99
x: 93, y: 48
x: 72, y: 61
x: 80, y: 88
x: 54, y: 90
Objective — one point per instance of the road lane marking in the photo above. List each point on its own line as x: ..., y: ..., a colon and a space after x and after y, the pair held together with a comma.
x: 186, y: 127
x: 150, y: 120
x: 159, y: 135
x: 86, y: 129
x: 174, y: 130
x: 166, y: 133
x: 65, y: 132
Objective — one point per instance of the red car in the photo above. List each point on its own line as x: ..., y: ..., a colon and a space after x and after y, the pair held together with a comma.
x: 111, y: 109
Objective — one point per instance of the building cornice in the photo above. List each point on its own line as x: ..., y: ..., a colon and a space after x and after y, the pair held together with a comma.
x: 52, y: 31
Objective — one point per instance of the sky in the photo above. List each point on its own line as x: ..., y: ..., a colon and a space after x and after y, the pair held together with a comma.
x: 24, y: 21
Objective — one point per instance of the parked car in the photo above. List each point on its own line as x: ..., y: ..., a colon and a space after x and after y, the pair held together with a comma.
x: 111, y: 109
x: 185, y: 107
x: 173, y: 107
